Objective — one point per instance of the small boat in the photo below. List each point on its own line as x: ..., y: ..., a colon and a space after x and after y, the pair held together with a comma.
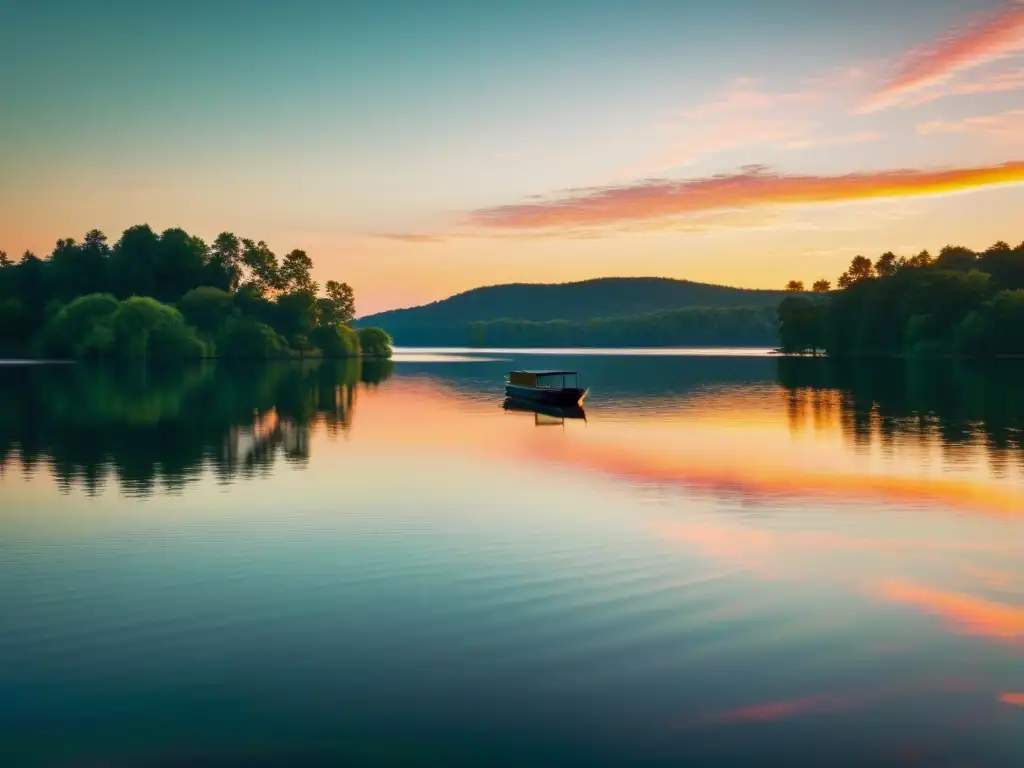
x: 543, y: 387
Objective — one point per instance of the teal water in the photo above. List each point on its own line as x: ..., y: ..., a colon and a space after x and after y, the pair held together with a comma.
x: 732, y: 560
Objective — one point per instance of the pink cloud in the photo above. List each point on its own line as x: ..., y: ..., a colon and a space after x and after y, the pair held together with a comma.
x: 990, y: 39
x: 668, y: 201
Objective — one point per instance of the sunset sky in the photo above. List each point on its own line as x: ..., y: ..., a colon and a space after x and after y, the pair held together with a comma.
x: 417, y: 149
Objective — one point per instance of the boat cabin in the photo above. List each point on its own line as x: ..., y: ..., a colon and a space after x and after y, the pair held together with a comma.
x: 552, y: 379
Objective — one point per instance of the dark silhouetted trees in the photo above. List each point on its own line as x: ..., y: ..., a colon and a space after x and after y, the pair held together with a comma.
x: 962, y: 303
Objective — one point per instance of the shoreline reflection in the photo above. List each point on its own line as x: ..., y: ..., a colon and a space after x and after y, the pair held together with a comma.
x: 150, y: 427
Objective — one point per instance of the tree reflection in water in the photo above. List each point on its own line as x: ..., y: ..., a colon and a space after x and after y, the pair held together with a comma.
x: 959, y: 406
x: 151, y: 427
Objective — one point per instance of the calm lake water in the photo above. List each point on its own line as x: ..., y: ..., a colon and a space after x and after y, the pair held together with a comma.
x: 733, y: 560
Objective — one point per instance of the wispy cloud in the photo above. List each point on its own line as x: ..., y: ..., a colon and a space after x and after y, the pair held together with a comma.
x: 1000, y: 82
x: 712, y: 139
x: 746, y: 114
x: 989, y: 39
x: 995, y: 578
x: 1004, y: 125
x: 667, y: 201
x: 415, y: 238
x: 844, y: 140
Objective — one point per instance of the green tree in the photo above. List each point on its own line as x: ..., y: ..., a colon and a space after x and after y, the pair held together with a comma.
x: 15, y: 326
x: 821, y: 286
x: 295, y: 274
x: 860, y: 268
x: 133, y: 263
x: 246, y: 338
x: 374, y: 342
x: 181, y: 260
x: 207, y: 308
x: 264, y: 274
x: 1006, y: 335
x: 82, y: 328
x: 800, y: 325
x: 145, y: 328
x: 923, y: 259
x: 886, y: 264
x: 296, y: 313
x: 224, y: 269
x: 956, y: 257
x: 795, y: 286
x: 972, y: 337
x: 1006, y: 265
x: 343, y: 298
x: 30, y: 281
x: 78, y: 269
x: 336, y: 341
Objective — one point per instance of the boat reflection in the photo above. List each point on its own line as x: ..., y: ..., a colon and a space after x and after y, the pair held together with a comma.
x: 545, y: 415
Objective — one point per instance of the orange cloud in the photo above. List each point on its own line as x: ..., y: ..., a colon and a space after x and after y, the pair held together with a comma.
x: 1013, y: 699
x: 964, y: 614
x: 993, y: 38
x: 755, y: 186
x: 1009, y: 124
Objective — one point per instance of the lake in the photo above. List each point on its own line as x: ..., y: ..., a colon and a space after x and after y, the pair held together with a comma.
x: 733, y: 560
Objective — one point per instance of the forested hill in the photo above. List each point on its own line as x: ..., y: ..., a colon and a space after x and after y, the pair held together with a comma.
x: 445, y: 321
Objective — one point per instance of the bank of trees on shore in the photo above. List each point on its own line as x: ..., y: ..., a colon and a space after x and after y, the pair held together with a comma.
x: 692, y: 326
x: 173, y: 296
x: 961, y: 303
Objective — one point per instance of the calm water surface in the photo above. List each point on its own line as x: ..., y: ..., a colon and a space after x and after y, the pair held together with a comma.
x: 733, y: 560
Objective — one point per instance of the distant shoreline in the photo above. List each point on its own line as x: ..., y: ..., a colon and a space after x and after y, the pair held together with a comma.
x: 691, y: 351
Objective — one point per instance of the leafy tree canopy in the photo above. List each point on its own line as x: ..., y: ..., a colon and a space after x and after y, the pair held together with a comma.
x: 171, y: 295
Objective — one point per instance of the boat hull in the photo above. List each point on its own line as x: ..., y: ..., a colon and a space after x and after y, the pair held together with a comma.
x: 556, y: 411
x: 566, y: 396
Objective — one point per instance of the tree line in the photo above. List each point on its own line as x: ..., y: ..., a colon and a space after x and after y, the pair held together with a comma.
x: 692, y: 326
x: 173, y: 296
x: 961, y: 303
